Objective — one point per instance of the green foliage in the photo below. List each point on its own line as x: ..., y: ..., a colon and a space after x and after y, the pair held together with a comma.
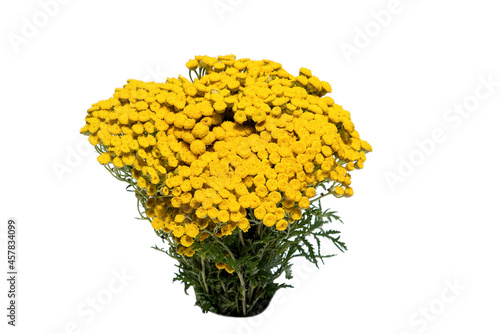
x: 258, y: 257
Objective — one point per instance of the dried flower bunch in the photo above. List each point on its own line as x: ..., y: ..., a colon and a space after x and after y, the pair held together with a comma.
x: 226, y: 167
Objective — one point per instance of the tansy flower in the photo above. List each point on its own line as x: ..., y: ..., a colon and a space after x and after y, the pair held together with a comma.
x: 309, y: 167
x: 259, y: 180
x: 305, y: 71
x: 219, y: 66
x: 240, y: 116
x: 198, y: 147
x: 279, y: 213
x: 281, y: 225
x: 326, y: 87
x: 192, y: 64
x: 177, y: 191
x: 246, y: 135
x: 259, y: 212
x: 244, y: 224
x: 201, y: 212
x: 233, y: 205
x: 213, y: 212
x: 259, y: 116
x: 141, y: 182
x: 189, y: 252
x: 220, y: 106
x: 151, y: 189
x: 138, y: 128
x: 128, y: 159
x: 208, y: 61
x: 176, y: 202
x: 178, y: 231
x: 310, y: 192
x: 274, y: 197
x: 339, y: 190
x: 157, y: 223
x: 294, y: 184
x: 226, y: 229
x: 223, y: 216
x: 186, y: 240
x: 269, y: 219
x: 271, y: 185
x: 200, y: 130
x: 245, y: 201
x: 261, y: 191
x: 181, y: 250
x: 304, y: 203
x: 203, y: 236
x: 233, y: 84
x: 296, y: 214
x: 104, y: 158
x: 186, y: 198
x: 192, y: 230
x: 254, y: 201
x: 316, y: 83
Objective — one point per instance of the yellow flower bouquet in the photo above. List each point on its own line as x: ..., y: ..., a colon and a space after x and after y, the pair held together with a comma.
x: 229, y: 167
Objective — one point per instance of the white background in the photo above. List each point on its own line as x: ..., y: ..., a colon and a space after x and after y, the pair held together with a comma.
x: 435, y: 226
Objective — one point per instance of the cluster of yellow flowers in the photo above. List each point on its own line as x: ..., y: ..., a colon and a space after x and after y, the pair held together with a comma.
x: 245, y: 140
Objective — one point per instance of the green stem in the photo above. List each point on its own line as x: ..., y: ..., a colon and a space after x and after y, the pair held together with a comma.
x: 241, y: 238
x: 240, y: 276
x: 243, y: 293
x: 259, y: 230
x: 203, y: 275
x: 250, y: 293
x: 320, y: 197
